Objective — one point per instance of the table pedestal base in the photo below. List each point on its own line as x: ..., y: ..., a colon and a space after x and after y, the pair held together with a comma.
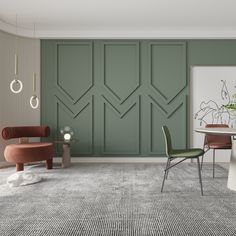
x: 232, y: 168
x: 66, y: 155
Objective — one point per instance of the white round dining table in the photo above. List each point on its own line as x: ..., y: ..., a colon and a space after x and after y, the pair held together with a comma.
x: 231, y: 184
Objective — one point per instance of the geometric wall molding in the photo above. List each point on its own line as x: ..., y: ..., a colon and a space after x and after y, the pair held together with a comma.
x: 166, y: 110
x: 115, y: 94
x: 156, y: 115
x: 80, y: 120
x: 122, y: 110
x: 120, y: 64
x: 72, y: 112
x: 74, y: 59
x: 129, y: 119
x: 167, y: 68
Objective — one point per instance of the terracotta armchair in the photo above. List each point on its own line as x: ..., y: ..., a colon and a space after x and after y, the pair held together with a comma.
x: 25, y: 151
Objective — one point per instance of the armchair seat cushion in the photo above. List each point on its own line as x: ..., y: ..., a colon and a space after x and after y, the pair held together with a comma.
x: 29, y: 152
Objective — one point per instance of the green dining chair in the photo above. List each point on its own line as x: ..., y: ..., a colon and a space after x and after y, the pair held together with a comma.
x: 184, y: 154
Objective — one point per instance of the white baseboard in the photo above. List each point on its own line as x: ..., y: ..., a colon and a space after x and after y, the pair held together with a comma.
x: 126, y: 160
x: 114, y: 159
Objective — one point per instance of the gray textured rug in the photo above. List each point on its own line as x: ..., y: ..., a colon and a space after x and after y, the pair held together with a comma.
x: 118, y: 199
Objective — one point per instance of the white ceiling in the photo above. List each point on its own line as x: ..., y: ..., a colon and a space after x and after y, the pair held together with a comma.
x: 120, y: 18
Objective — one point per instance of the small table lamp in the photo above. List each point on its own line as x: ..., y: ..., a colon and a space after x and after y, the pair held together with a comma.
x: 67, y: 133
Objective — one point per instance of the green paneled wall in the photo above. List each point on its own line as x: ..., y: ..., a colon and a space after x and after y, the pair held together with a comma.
x: 116, y: 95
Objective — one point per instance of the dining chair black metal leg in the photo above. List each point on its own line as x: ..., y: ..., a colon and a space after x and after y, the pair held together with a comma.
x: 168, y: 164
x: 202, y: 157
x: 164, y: 178
x: 202, y: 161
x: 214, y: 163
x: 199, y: 174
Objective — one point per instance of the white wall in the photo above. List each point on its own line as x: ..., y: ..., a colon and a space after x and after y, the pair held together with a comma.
x: 15, y: 109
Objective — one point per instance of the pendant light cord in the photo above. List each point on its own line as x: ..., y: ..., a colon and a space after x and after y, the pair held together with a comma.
x: 16, y: 48
x: 16, y: 80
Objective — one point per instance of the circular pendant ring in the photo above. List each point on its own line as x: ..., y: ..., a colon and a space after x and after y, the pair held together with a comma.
x: 34, y: 99
x: 16, y: 81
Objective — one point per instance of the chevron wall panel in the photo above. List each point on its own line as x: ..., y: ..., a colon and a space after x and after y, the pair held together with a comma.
x: 115, y: 94
x: 167, y: 76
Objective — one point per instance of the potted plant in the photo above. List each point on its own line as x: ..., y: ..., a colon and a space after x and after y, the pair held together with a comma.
x: 232, y: 107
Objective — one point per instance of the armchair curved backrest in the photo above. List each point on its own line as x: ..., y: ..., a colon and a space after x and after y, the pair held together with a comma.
x: 25, y: 131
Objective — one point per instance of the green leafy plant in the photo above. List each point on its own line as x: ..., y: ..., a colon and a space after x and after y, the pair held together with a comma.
x: 232, y: 105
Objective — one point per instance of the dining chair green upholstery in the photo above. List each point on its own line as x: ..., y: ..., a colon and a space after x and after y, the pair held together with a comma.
x: 184, y: 154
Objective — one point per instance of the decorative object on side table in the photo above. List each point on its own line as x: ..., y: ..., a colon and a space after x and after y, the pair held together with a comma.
x: 67, y: 133
x: 66, y: 141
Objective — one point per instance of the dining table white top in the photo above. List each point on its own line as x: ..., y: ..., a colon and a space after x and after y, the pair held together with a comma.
x: 231, y: 184
x: 217, y: 131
